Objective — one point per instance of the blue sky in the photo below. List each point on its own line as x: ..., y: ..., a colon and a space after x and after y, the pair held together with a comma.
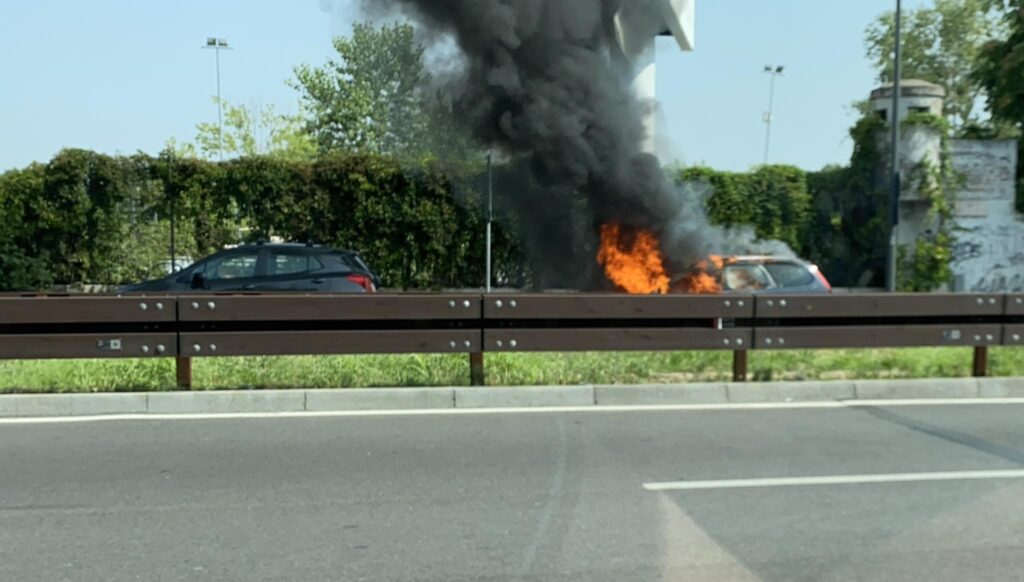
x: 120, y: 76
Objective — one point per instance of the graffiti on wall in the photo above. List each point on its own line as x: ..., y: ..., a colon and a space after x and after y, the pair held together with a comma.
x: 990, y: 257
x: 1001, y: 281
x: 966, y: 250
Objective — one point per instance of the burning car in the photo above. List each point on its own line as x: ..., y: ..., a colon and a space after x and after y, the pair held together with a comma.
x: 633, y: 262
x: 752, y: 274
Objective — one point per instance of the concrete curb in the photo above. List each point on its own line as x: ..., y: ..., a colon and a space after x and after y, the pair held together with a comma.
x: 755, y: 392
x: 1001, y: 388
x: 526, y: 397
x: 380, y: 399
x: 271, y: 401
x: 661, y: 394
x: 227, y: 402
x: 938, y: 388
x: 15, y: 405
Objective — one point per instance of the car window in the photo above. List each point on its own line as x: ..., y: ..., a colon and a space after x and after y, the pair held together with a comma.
x: 360, y: 262
x: 746, y: 278
x: 198, y: 268
x: 790, y: 274
x: 293, y: 264
x: 231, y: 267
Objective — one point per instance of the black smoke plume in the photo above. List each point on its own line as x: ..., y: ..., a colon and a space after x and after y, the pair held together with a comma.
x: 543, y: 81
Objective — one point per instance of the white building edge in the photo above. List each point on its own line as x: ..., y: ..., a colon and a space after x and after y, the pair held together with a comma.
x: 637, y: 30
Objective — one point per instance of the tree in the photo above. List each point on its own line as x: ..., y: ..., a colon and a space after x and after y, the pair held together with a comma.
x: 772, y: 199
x: 941, y: 44
x: 25, y: 260
x: 1000, y: 71
x: 248, y: 132
x: 372, y: 99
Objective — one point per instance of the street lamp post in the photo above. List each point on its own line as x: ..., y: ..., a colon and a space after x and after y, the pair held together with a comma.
x: 217, y: 45
x: 774, y: 71
x: 490, y: 216
x: 894, y: 120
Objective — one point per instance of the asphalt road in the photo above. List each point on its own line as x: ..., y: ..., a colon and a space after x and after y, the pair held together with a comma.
x: 517, y: 496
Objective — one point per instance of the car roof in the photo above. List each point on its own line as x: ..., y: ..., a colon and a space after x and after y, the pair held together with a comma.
x: 760, y: 259
x: 292, y: 247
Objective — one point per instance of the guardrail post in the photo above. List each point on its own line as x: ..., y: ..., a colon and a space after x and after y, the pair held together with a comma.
x: 739, y: 366
x: 477, y: 375
x: 980, y: 361
x: 183, y: 367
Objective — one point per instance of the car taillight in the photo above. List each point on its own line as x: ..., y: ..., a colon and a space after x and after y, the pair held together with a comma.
x: 821, y: 277
x: 364, y: 282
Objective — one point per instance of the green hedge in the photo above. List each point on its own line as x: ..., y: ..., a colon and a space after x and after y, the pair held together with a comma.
x: 773, y: 199
x: 86, y: 217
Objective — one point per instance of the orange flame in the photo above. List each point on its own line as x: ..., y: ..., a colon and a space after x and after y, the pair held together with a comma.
x: 632, y: 260
x: 702, y: 279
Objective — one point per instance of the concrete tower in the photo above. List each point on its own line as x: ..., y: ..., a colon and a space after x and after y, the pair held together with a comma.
x: 917, y: 144
x: 637, y: 26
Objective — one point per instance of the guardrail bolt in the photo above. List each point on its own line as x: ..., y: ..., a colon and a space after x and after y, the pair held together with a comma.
x: 782, y: 303
x: 499, y: 343
x: 513, y: 343
x: 990, y: 338
x: 992, y: 301
x: 451, y: 304
x: 195, y: 305
x: 145, y: 349
x: 513, y: 304
x: 452, y: 344
x: 728, y: 303
x: 782, y: 341
x: 213, y: 347
x: 143, y: 306
x: 468, y: 344
x: 981, y: 301
x: 159, y: 306
x: 498, y: 304
x: 160, y: 349
x: 1016, y: 337
x: 211, y: 305
x: 741, y: 303
x: 771, y: 303
x: 739, y: 342
x: 1019, y: 301
x: 768, y: 341
x: 197, y: 348
x: 467, y: 304
x: 977, y: 338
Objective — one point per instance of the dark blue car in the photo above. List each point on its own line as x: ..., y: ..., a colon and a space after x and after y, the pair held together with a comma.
x: 270, y: 268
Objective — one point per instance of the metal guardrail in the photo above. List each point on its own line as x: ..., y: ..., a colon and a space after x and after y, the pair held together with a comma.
x: 326, y: 324
x: 199, y: 326
x: 87, y: 327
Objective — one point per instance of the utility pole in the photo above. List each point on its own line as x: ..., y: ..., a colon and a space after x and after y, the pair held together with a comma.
x: 894, y: 119
x: 774, y: 71
x: 217, y: 45
x: 490, y: 215
x: 171, y: 195
x: 174, y: 250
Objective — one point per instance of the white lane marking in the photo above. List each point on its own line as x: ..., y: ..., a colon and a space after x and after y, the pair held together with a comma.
x: 835, y: 480
x: 829, y: 404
